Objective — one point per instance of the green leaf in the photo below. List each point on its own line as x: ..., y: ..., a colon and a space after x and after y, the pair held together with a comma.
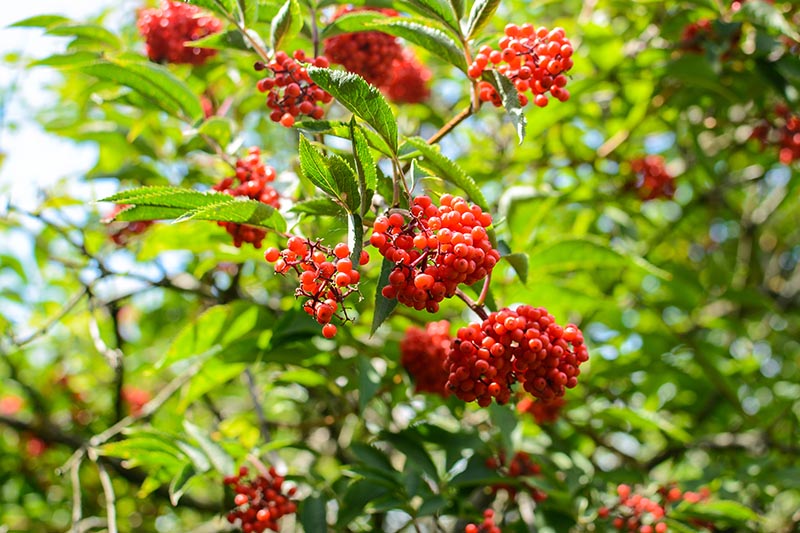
x: 458, y: 7
x: 368, y: 381
x: 87, y: 31
x: 219, y: 129
x: 147, y: 212
x: 723, y: 511
x: 312, y: 514
x: 423, y: 34
x: 355, y: 238
x: 383, y: 305
x: 168, y: 197
x: 240, y: 211
x: 365, y: 166
x: 178, y: 484
x: 154, y: 82
x: 342, y: 130
x: 433, y: 161
x: 510, y: 97
x: 645, y: 421
x: 767, y: 15
x: 223, y: 40
x: 40, y: 21
x: 213, y: 375
x: 320, y: 207
x: 358, y: 495
x: 249, y: 11
x: 371, y: 456
x: 361, y: 98
x: 331, y: 174
x: 286, y: 24
x: 440, y: 9
x: 519, y: 262
x: 226, y: 8
x: 410, y: 444
x: 67, y: 60
x: 571, y: 255
x: 353, y: 22
x: 222, y: 462
x: 480, y: 15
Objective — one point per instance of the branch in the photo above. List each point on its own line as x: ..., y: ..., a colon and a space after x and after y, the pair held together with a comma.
x: 455, y: 121
x: 69, y: 306
x: 108, y: 491
x: 478, y: 309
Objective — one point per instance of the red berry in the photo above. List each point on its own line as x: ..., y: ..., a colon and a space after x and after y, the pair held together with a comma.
x: 328, y: 331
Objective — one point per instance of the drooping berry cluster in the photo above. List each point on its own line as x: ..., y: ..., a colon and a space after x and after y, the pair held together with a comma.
x: 543, y: 411
x: 635, y: 512
x: 652, y: 180
x: 423, y: 352
x: 523, y: 345
x: 521, y: 465
x: 783, y: 131
x: 167, y: 28
x: 408, y: 83
x: 253, y: 177
x: 535, y: 59
x: 370, y: 54
x: 290, y: 91
x: 697, y: 36
x: 435, y: 250
x: 488, y: 524
x: 121, y: 233
x: 327, y: 277
x: 260, y: 501
x: 380, y: 59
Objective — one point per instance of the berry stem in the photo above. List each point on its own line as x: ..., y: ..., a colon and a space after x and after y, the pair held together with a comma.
x: 455, y: 121
x: 477, y: 308
x: 485, y: 290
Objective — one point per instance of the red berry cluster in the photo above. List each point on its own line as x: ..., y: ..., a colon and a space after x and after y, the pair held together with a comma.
x: 634, y: 512
x: 535, y: 59
x: 423, y: 352
x: 327, y: 277
x: 521, y: 465
x: 167, y: 28
x: 409, y: 81
x: 696, y: 36
x: 487, y: 526
x: 435, y: 250
x: 121, y: 233
x: 370, y: 54
x: 652, y: 179
x: 543, y: 411
x: 253, y: 177
x: 291, y: 92
x: 135, y: 398
x: 524, y: 345
x: 784, y: 131
x: 260, y: 501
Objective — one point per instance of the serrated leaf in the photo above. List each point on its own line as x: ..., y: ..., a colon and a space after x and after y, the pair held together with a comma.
x: 355, y: 238
x: 240, y: 211
x: 365, y: 166
x: 67, y: 60
x: 458, y: 7
x: 40, y: 21
x: 767, y: 15
x: 439, y: 9
x: 287, y: 24
x: 361, y: 98
x: 510, y: 97
x: 312, y: 514
x: 331, y: 174
x: 227, y: 8
x: 424, y: 34
x: 480, y: 15
x: 87, y: 31
x: 342, y: 130
x: 219, y: 129
x: 321, y: 207
x: 147, y: 212
x: 724, y: 511
x: 222, y: 462
x: 372, y: 456
x: 519, y: 262
x: 368, y: 381
x: 154, y: 82
x: 178, y: 484
x: 161, y: 196
x: 223, y: 40
x: 358, y: 495
x: 436, y: 163
x: 352, y: 22
x: 383, y: 305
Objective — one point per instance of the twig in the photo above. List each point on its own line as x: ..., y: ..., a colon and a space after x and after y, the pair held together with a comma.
x: 263, y: 424
x: 108, y: 491
x: 77, y: 509
x: 478, y: 309
x: 69, y: 306
x: 447, y: 128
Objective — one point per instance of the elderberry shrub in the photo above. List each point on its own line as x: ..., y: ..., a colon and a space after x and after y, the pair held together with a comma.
x: 434, y: 249
x: 523, y: 345
x: 534, y: 59
x: 254, y: 178
x: 422, y: 354
x: 260, y: 501
x: 168, y: 27
x: 327, y: 276
x: 290, y: 91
